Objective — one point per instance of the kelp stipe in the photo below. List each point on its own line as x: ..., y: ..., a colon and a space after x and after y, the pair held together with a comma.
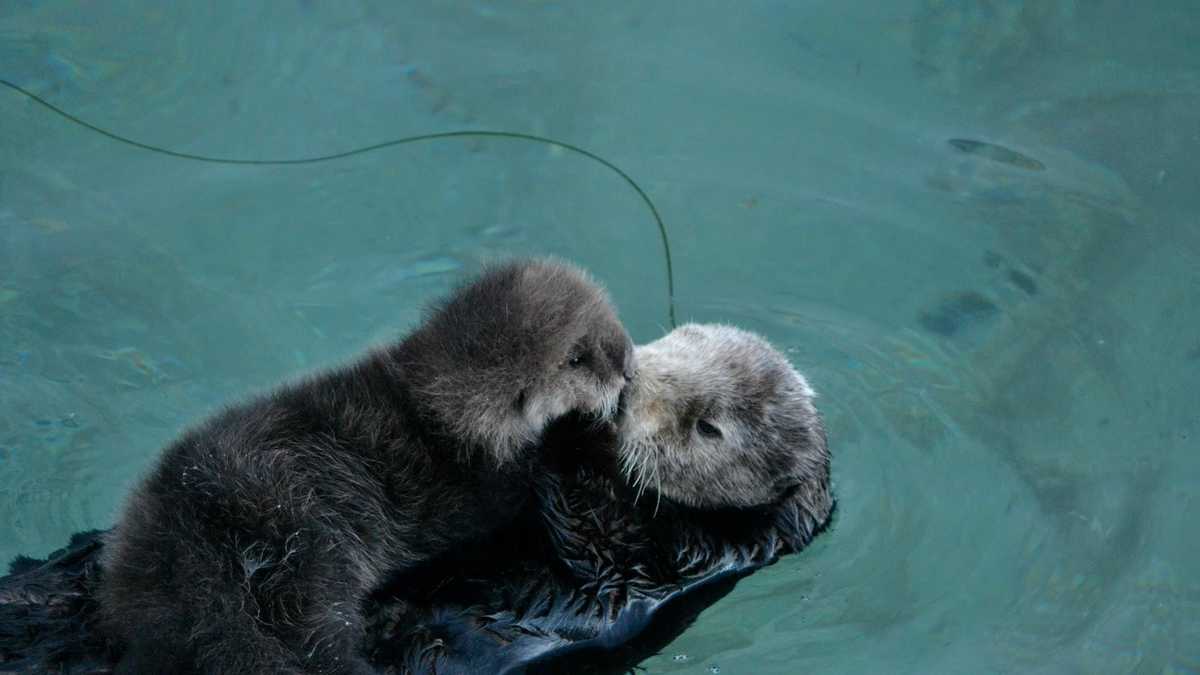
x: 662, y: 229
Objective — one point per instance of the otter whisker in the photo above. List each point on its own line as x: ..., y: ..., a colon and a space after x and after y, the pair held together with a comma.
x: 640, y: 484
x: 657, y: 490
x: 627, y: 458
x: 629, y: 464
x: 635, y: 460
x: 643, y: 474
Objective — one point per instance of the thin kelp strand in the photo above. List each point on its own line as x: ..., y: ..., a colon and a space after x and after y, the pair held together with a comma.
x: 662, y: 229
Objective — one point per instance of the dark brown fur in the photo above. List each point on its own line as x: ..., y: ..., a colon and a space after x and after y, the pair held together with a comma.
x: 249, y: 547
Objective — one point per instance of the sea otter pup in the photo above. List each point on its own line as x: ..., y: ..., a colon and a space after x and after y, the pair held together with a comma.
x: 251, y: 544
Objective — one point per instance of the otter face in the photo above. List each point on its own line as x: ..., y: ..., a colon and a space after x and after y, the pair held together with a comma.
x: 523, y: 345
x: 716, y: 418
x: 582, y: 357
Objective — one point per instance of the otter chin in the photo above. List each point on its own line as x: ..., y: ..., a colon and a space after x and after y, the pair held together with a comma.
x: 716, y: 417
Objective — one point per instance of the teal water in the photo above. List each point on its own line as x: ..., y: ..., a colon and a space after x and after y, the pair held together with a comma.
x: 973, y: 224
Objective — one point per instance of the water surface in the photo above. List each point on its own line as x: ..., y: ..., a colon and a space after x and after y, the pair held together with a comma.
x: 973, y: 224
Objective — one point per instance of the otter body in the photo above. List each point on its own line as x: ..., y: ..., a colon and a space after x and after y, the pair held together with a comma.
x: 252, y: 543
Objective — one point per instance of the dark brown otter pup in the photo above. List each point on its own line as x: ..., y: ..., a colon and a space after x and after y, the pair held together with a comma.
x: 251, y: 545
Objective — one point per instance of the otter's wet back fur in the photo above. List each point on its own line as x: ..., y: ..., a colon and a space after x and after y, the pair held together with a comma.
x: 251, y: 544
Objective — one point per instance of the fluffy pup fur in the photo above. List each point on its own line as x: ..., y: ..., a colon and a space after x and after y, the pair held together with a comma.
x: 249, y: 546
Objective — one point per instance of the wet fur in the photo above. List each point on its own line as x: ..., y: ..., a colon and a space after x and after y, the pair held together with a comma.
x: 588, y: 583
x: 251, y: 544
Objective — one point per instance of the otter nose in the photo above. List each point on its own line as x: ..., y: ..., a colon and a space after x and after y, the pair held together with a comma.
x: 619, y: 351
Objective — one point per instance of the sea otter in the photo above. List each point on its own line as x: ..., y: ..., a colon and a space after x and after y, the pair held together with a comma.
x: 251, y: 544
x: 592, y: 580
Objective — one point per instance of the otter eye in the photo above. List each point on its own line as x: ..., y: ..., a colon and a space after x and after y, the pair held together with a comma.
x: 578, y: 359
x: 707, y: 429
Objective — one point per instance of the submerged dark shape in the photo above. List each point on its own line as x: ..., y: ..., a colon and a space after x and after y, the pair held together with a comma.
x: 1023, y: 281
x: 958, y: 312
x: 996, y: 153
x: 589, y: 582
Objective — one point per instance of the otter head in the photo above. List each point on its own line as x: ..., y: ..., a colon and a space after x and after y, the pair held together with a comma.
x: 522, y: 345
x: 717, y: 418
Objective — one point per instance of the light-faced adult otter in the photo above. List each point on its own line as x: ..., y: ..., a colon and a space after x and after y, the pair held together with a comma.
x: 251, y: 545
x: 719, y: 418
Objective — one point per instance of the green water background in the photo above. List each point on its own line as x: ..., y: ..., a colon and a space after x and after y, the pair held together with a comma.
x: 1005, y: 329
